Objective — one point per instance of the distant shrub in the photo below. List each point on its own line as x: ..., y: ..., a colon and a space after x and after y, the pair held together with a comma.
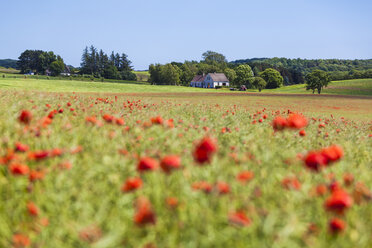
x: 3, y: 75
x: 102, y: 79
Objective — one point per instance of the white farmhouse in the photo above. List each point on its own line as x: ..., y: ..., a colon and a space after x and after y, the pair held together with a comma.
x: 211, y: 80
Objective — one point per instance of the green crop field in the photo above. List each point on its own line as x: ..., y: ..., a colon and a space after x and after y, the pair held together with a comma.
x: 346, y: 87
x: 90, y: 164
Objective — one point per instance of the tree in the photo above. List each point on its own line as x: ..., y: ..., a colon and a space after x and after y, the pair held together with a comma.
x: 56, y: 67
x: 170, y: 74
x: 316, y: 80
x: 256, y: 71
x: 211, y: 57
x: 259, y: 83
x: 188, y: 72
x: 154, y: 71
x: 85, y: 61
x: 111, y: 72
x: 272, y: 77
x: 230, y: 74
x: 99, y: 64
x: 243, y: 75
x: 37, y: 61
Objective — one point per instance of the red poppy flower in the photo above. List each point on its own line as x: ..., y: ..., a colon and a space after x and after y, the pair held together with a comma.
x: 45, y: 122
x: 315, y: 161
x: 170, y: 162
x: 239, y: 218
x: 39, y: 155
x: 339, y: 201
x: 336, y: 225
x: 21, y: 240
x: 132, y: 184
x: 291, y: 183
x: 52, y: 113
x: 144, y: 213
x: 19, y: 147
x: 296, y: 121
x: 171, y: 202
x: 245, y: 176
x: 32, y: 209
x: 223, y: 188
x: 44, y: 221
x: 108, y: 118
x: 147, y: 164
x: 56, y: 152
x: 321, y: 190
x: 36, y: 175
x: 333, y: 153
x: 19, y: 169
x: 334, y: 186
x: 65, y: 165
x: 157, y: 120
x: 204, y: 150
x: 91, y: 119
x: 203, y: 186
x: 120, y: 121
x: 302, y: 133
x: 348, y: 179
x: 25, y: 117
x: 279, y: 123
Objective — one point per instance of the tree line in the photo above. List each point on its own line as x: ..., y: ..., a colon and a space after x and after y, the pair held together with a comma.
x: 8, y: 63
x: 40, y: 62
x: 99, y: 64
x: 93, y: 63
x: 182, y: 73
x: 294, y: 71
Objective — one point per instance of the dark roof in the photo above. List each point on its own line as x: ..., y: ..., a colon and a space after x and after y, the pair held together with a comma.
x: 198, y: 78
x: 218, y: 77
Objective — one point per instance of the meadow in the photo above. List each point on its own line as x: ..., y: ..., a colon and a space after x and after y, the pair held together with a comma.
x: 113, y: 165
x: 362, y: 87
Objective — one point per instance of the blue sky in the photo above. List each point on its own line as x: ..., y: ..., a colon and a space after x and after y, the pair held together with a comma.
x: 162, y: 31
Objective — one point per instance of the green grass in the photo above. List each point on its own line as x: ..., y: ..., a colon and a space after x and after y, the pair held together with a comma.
x: 80, y: 86
x: 142, y: 72
x: 9, y: 70
x: 346, y: 87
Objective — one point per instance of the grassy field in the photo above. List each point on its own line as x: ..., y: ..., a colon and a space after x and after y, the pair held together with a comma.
x: 361, y: 87
x: 81, y: 86
x: 142, y: 76
x: 73, y: 173
x: 347, y: 87
x: 8, y: 70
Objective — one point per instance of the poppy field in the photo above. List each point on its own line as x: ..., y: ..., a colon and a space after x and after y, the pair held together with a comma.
x: 184, y: 170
